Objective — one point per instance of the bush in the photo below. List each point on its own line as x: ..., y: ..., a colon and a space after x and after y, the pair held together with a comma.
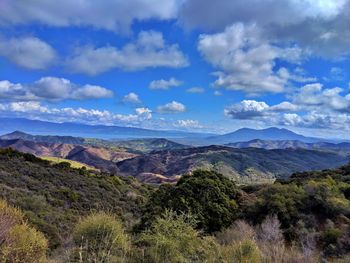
x: 9, y: 217
x: 24, y: 244
x: 100, y: 237
x: 172, y: 238
x: 245, y: 251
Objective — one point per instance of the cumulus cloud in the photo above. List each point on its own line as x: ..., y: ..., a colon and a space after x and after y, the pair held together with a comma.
x: 188, y: 124
x: 246, y: 109
x: 195, y: 90
x: 148, y: 51
x: 27, y: 52
x: 115, y: 15
x: 321, y: 26
x: 171, y: 107
x: 92, y: 116
x: 132, y: 98
x: 163, y: 84
x: 246, y: 60
x: 315, y: 97
x: 51, y: 88
x: 311, y: 107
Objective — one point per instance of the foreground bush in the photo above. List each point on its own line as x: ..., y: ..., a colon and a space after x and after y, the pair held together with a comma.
x: 24, y: 244
x: 18, y: 241
x: 172, y: 238
x: 100, y: 237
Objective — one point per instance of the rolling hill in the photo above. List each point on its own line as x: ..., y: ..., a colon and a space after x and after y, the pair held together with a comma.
x: 98, y: 157
x: 244, y: 165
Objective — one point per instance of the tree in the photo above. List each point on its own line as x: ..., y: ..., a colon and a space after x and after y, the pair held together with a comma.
x: 207, y: 195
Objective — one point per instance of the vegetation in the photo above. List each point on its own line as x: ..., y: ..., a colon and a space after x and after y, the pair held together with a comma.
x: 73, y: 164
x: 18, y: 241
x: 89, y: 216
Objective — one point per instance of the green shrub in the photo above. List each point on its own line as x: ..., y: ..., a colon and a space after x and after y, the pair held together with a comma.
x: 100, y: 237
x: 245, y: 251
x: 172, y: 238
x: 24, y: 244
x: 9, y: 217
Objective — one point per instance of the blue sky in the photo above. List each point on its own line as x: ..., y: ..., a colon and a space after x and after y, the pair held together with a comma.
x: 179, y: 64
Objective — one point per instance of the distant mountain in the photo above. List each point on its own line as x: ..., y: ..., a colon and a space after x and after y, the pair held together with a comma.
x: 84, y: 130
x: 149, y: 145
x: 285, y: 144
x: 42, y: 138
x: 244, y: 165
x: 247, y: 134
x: 137, y: 146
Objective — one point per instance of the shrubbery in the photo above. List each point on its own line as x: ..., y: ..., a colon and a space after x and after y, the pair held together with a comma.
x: 205, y: 217
x: 18, y: 241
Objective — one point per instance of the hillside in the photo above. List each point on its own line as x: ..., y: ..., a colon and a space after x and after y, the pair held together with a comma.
x: 137, y: 145
x: 244, y: 165
x: 54, y: 196
x: 42, y: 138
x: 101, y: 158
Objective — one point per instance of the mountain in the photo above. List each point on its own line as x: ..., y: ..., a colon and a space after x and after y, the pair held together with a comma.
x: 247, y: 134
x: 136, y: 146
x: 285, y: 144
x: 244, y: 165
x: 149, y: 145
x: 84, y: 130
x: 42, y: 138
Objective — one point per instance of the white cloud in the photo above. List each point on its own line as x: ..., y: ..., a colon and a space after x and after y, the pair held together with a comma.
x: 246, y: 109
x: 92, y: 116
x: 148, y: 51
x: 163, y: 84
x: 171, y: 107
x: 51, y: 88
x: 315, y: 97
x: 132, y: 98
x: 115, y: 15
x: 319, y: 25
x: 195, y: 90
x: 188, y: 124
x: 217, y: 93
x: 311, y: 107
x: 27, y: 52
x: 246, y: 60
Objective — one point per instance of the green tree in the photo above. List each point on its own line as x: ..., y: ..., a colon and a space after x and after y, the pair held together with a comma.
x: 208, y: 196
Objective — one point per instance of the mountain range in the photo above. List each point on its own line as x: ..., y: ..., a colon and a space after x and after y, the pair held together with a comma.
x: 157, y: 160
x: 248, y: 165
x: 295, y: 144
x: 84, y: 130
x: 117, y: 132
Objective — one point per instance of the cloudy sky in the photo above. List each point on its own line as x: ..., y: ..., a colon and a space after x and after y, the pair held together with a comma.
x: 199, y: 65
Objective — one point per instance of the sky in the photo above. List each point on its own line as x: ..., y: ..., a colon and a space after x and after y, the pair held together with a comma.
x: 192, y: 65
